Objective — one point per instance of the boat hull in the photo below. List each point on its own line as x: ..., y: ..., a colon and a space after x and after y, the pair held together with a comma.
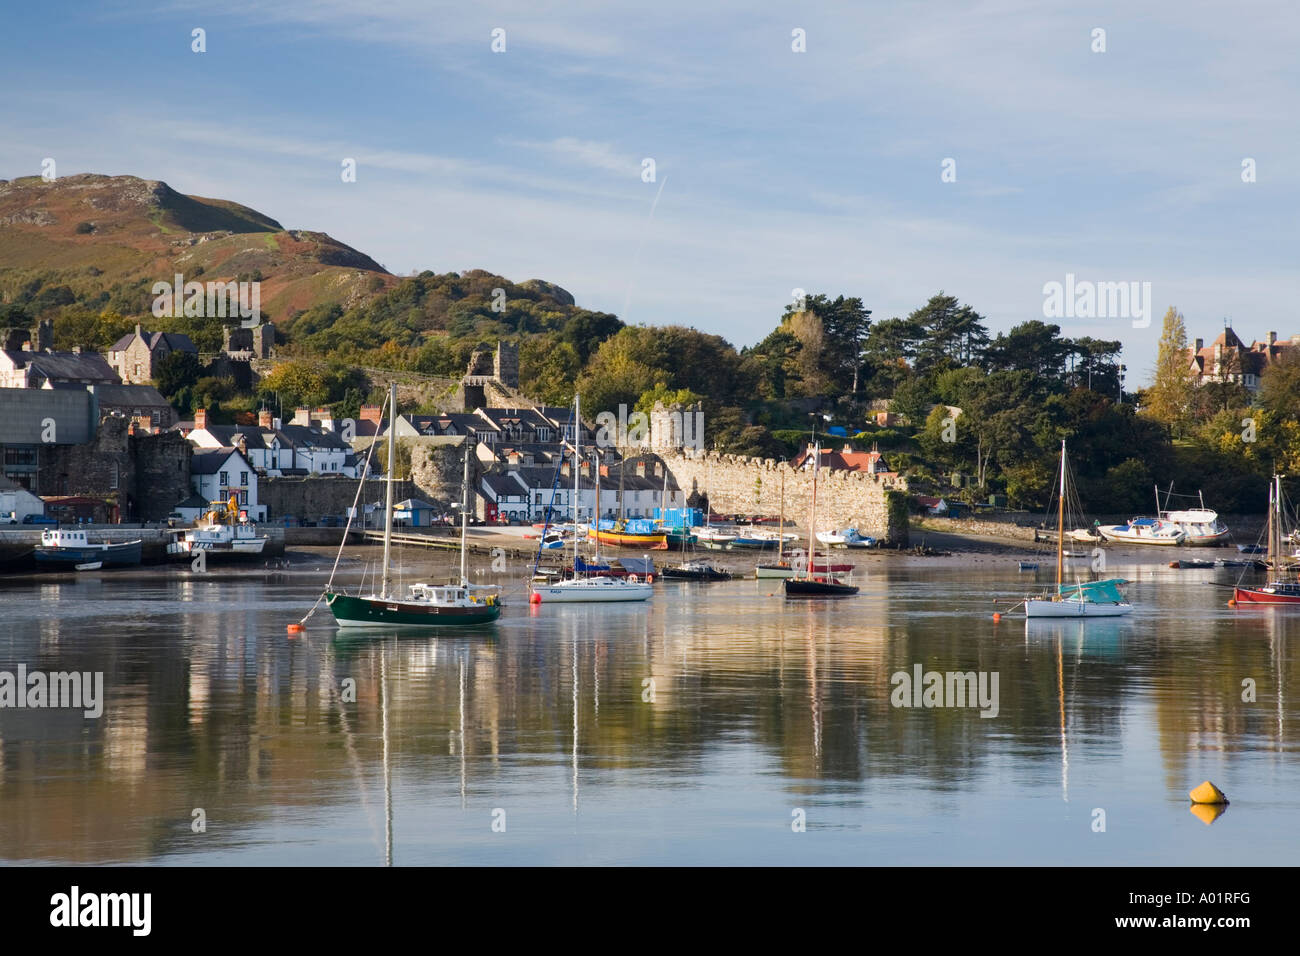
x: 126, y: 554
x: 1039, y: 608
x: 1169, y: 541
x: 803, y: 588
x: 619, y: 539
x: 593, y: 594
x: 774, y: 571
x: 350, y: 611
x: 1263, y: 596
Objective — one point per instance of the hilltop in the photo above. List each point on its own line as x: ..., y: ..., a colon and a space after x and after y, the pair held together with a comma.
x: 104, y: 240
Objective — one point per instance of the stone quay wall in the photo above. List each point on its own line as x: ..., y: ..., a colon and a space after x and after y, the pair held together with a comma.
x: 873, y: 504
x: 315, y: 497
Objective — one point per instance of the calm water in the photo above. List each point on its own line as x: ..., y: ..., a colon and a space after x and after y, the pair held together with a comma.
x: 761, y: 708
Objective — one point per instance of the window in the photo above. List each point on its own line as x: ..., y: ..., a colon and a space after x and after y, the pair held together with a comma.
x: 243, y: 499
x: 243, y: 478
x: 223, y: 479
x: 112, y: 481
x: 543, y: 434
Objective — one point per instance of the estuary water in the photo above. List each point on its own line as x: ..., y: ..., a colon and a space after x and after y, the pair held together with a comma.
x: 716, y: 724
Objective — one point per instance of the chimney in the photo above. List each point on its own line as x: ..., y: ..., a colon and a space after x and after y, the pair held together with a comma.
x: 371, y: 413
x: 200, y: 418
x: 640, y: 469
x: 301, y: 416
x: 1200, y: 344
x: 604, y: 471
x: 264, y: 418
x: 1272, y: 338
x: 242, y: 444
x: 139, y: 333
x: 564, y: 468
x: 276, y: 424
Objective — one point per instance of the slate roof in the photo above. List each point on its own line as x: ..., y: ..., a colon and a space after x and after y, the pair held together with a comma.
x: 175, y: 341
x: 210, y: 460
x: 129, y: 395
x: 65, y: 366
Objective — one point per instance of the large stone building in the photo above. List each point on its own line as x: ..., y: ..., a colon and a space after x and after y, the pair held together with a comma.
x: 1229, y: 359
x: 135, y: 356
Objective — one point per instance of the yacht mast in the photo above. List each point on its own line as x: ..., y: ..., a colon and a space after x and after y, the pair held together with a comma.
x: 464, y: 516
x: 1060, y: 529
x: 780, y: 528
x: 812, y: 515
x: 392, y: 471
x: 577, y: 440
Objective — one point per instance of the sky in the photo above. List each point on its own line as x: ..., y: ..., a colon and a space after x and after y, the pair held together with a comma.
x: 982, y: 149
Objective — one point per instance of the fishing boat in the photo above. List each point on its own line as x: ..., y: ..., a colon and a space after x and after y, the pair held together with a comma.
x: 1145, y: 531
x: 633, y: 533
x: 1081, y: 599
x: 713, y: 539
x: 811, y: 584
x: 586, y: 588
x: 424, y: 605
x: 848, y: 538
x: 68, y: 548
x: 223, y: 533
x: 696, y: 571
x: 1282, y: 586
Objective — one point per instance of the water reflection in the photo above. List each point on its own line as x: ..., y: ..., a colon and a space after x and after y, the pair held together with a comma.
x: 756, y: 706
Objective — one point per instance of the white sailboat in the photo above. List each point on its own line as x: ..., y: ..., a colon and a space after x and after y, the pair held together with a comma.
x: 587, y: 588
x: 1082, y: 599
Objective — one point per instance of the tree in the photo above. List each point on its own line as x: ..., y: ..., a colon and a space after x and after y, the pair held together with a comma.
x: 1169, y: 398
x: 175, y: 371
x: 1032, y: 346
x: 890, y: 347
x: 953, y: 334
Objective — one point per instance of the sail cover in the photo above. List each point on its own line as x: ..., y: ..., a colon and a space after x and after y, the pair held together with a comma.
x: 1097, y: 592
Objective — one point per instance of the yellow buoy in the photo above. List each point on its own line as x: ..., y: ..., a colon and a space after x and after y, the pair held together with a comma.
x: 1208, y: 793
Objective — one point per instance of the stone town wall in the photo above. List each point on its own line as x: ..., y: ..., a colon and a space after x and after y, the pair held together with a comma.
x: 735, y: 484
x: 145, y: 475
x: 312, y: 498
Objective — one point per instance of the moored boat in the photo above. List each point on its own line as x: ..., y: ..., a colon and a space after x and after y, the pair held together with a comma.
x: 696, y: 571
x: 1144, y: 531
x: 424, y: 605
x: 1082, y: 599
x: 636, y: 533
x: 1283, y: 587
x: 70, y: 547
x: 810, y: 583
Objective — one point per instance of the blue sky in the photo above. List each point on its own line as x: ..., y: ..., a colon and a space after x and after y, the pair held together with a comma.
x: 775, y: 170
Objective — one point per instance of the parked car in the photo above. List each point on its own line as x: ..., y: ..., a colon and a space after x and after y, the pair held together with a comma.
x: 9, y: 517
x: 39, y: 519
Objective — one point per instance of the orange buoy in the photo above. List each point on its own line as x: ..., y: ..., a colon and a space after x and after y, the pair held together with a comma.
x: 295, y: 629
x: 649, y: 579
x: 997, y: 616
x: 1232, y: 602
x: 535, y: 598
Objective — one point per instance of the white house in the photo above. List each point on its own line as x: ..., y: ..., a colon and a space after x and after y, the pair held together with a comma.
x: 277, y: 450
x: 221, y: 473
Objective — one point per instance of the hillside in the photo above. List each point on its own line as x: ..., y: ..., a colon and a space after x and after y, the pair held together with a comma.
x: 104, y: 240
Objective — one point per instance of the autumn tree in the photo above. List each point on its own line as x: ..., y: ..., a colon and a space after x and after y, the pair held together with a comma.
x: 1169, y: 398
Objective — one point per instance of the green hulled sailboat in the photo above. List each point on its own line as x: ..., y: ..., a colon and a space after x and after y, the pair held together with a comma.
x: 424, y: 605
